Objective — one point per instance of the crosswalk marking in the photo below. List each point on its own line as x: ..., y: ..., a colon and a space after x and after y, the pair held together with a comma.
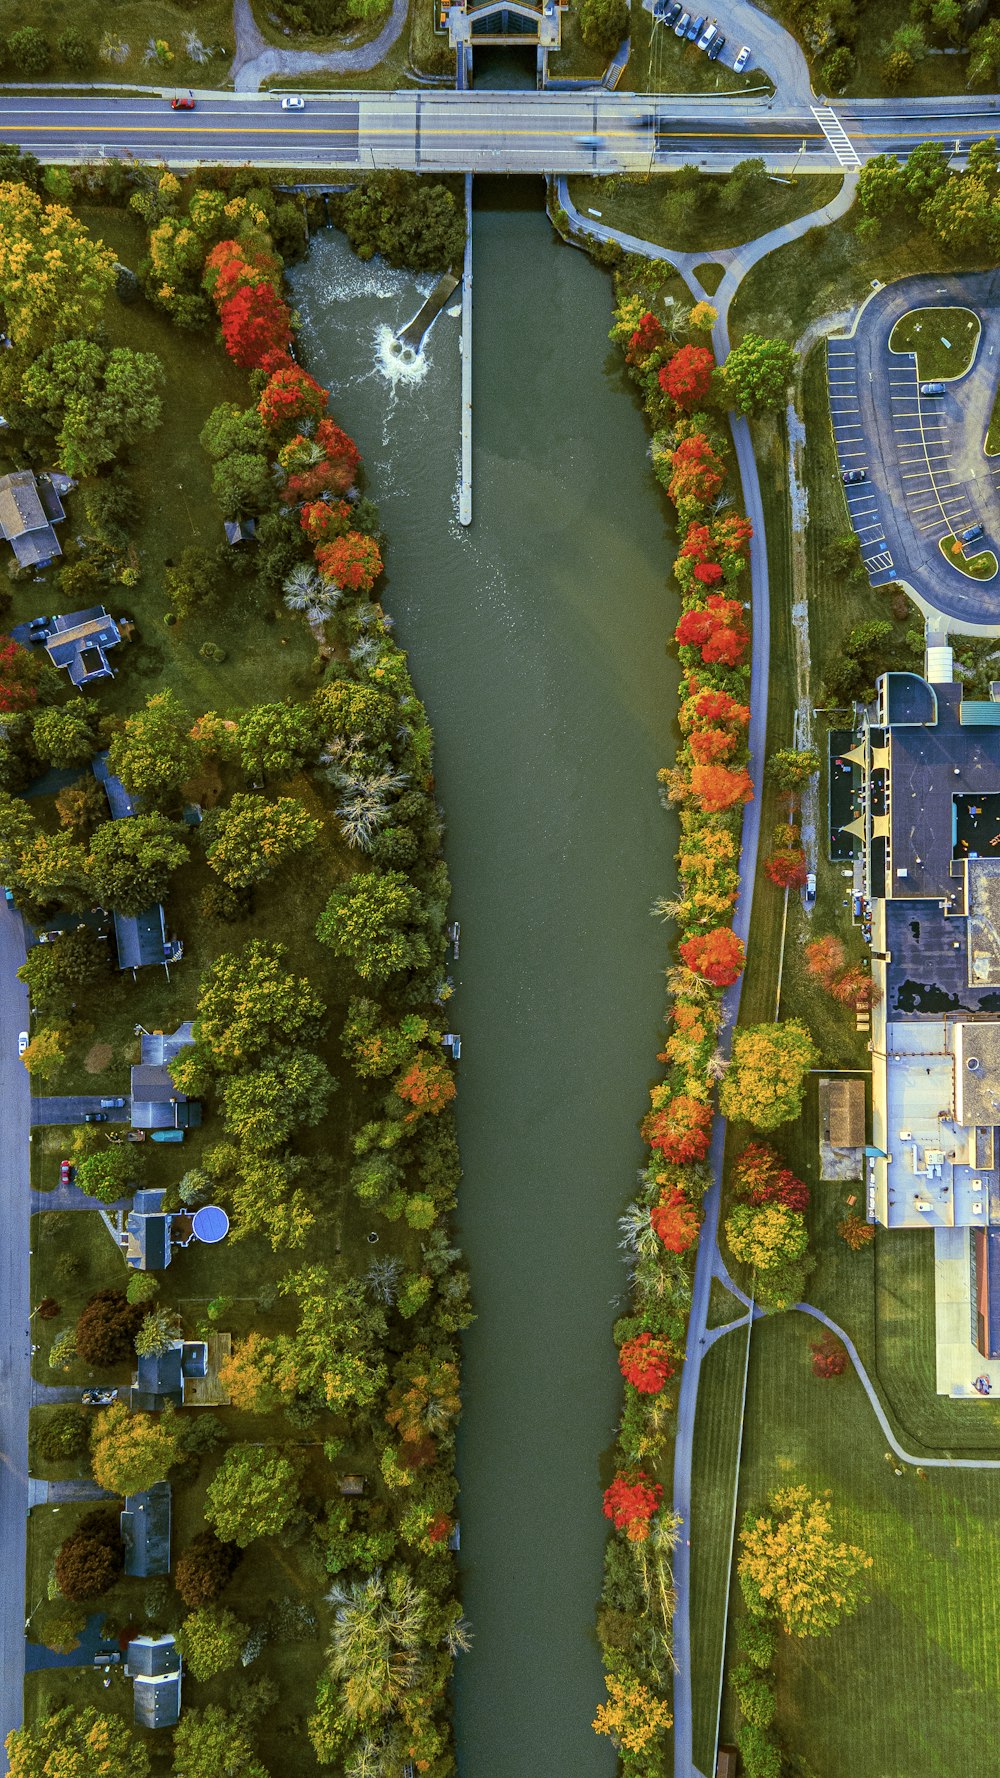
x: 836, y: 135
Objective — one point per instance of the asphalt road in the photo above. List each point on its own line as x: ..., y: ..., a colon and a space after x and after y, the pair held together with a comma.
x: 15, y: 1362
x: 73, y: 1109
x: 547, y: 132
x: 926, y: 475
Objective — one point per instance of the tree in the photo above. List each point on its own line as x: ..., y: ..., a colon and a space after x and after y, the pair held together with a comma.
x: 50, y: 872
x: 242, y: 484
x: 193, y: 586
x: 427, y: 1085
x: 65, y: 734
x: 265, y: 1197
x: 54, y: 277
x: 760, y: 1177
x: 679, y: 1128
x: 338, y: 1351
x: 603, y: 24
x: 276, y: 737
x: 59, y: 1434
x: 254, y: 839
x: 46, y: 1052
x: 132, y: 861
x: 209, y: 1743
x: 91, y: 1558
x: 158, y: 1331
x: 745, y: 186
x: 377, y: 922
x: 75, y: 51
x: 107, y: 1327
x: 790, y: 768
x: 253, y: 1493
x: 409, y: 221
x: 793, y: 1566
x: 766, y: 1235
x: 633, y: 1715
x: 345, y: 709
x: 984, y: 56
x: 675, y: 1220
x: 353, y: 562
x: 129, y: 1452
x: 856, y: 1231
x: 291, y: 396
x: 718, y: 788
x: 20, y: 675
x: 647, y: 1362
x: 765, y: 1083
x: 30, y: 51
x: 829, y: 1355
x: 254, y: 322
x: 757, y: 373
x: 153, y: 752
x: 96, y: 402
x: 687, y: 379
x: 786, y: 867
x: 717, y: 628
x: 205, y: 1569
x: 376, y: 1637
x: 249, y: 1003
x: 824, y: 959
x: 717, y: 956
x: 109, y: 1175
x: 251, y: 1375
x: 696, y: 472
x: 211, y: 1640
x: 631, y: 1502
x: 77, y: 1743
x: 263, y: 1106
x: 81, y: 807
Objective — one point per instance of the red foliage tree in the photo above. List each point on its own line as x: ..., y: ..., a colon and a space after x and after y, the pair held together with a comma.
x: 290, y: 396
x: 717, y: 956
x: 717, y: 788
x: 760, y: 1177
x: 825, y: 958
x: 696, y: 473
x: 698, y: 545
x: 646, y: 1363
x: 18, y: 673
x: 648, y: 338
x: 731, y: 535
x: 786, y: 867
x: 680, y: 1130
x: 439, y: 1528
x: 340, y: 451
x: 254, y: 321
x: 829, y: 1356
x: 630, y: 1503
x: 675, y: 1221
x: 708, y: 573
x: 710, y: 708
x: 687, y: 379
x: 856, y: 1231
x: 230, y: 266
x: 717, y: 628
x: 711, y: 744
x: 855, y: 988
x: 353, y: 562
x: 324, y: 519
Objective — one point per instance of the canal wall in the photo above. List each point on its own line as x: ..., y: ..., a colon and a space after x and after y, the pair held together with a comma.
x: 465, y: 481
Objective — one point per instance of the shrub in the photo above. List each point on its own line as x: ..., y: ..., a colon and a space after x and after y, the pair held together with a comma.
x: 205, y: 1569
x: 59, y: 1434
x: 91, y: 1559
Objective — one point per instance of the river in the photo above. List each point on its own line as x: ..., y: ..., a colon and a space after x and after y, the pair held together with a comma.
x: 537, y: 639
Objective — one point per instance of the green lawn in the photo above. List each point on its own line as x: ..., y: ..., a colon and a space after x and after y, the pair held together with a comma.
x: 894, y: 1690
x: 716, y: 1448
x: 944, y: 340
x: 118, y: 39
x: 992, y: 444
x: 658, y: 209
x: 978, y: 567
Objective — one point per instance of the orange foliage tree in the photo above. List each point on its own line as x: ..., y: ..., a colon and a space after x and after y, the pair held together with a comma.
x: 717, y: 788
x: 687, y: 379
x: 717, y: 956
x: 680, y: 1129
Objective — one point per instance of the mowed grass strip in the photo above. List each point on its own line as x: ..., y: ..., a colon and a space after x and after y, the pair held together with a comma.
x: 944, y: 341
x: 716, y: 1454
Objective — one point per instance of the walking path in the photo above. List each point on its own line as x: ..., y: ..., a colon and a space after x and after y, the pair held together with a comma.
x: 256, y: 60
x: 15, y: 1339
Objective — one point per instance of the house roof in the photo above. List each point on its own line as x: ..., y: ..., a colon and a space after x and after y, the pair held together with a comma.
x: 154, y: 1664
x: 157, y: 1047
x: 145, y: 1531
x: 119, y: 801
x: 156, y: 1103
x: 847, y: 1113
x: 148, y: 1231
x: 78, y: 641
x: 24, y: 521
x: 240, y: 530
x: 160, y: 1377
x: 141, y: 938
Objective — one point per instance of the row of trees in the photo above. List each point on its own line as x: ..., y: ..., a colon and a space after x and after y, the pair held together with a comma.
x: 829, y: 31
x: 959, y: 210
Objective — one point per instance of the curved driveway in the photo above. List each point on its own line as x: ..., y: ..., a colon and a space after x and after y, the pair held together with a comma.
x: 924, y: 457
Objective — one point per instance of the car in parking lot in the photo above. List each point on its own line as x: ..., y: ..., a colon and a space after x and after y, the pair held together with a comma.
x: 682, y: 24
x: 742, y: 59
x: 708, y: 33
x: 672, y: 13
x: 95, y: 1117
x: 716, y: 49
x: 66, y: 1172
x: 182, y: 104
x: 293, y: 102
x: 848, y: 476
x: 970, y: 536
x: 22, y: 1042
x: 695, y: 28
x: 932, y: 388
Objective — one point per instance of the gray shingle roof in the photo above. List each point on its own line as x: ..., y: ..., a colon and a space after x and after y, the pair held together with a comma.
x: 145, y: 1531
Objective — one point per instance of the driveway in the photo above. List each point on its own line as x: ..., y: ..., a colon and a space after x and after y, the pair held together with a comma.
x: 926, y: 473
x: 73, y: 1109
x: 15, y: 1363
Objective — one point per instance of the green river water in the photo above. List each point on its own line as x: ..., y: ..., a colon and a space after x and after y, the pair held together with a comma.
x: 537, y: 640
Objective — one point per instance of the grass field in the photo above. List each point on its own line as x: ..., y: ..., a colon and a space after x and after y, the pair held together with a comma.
x: 118, y: 39
x: 661, y: 63
x: 693, y: 220
x: 944, y: 341
x: 933, y: 76
x: 716, y: 1446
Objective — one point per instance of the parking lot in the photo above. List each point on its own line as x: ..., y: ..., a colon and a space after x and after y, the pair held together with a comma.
x: 925, y: 474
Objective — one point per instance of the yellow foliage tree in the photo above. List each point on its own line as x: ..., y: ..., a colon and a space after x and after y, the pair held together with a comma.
x: 766, y: 1082
x: 249, y: 1375
x: 54, y: 278
x: 632, y: 1715
x: 129, y: 1452
x: 793, y: 1565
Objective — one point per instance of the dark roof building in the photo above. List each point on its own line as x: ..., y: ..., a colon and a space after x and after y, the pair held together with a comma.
x: 145, y: 1532
x: 153, y: 1663
x: 846, y: 1107
x: 160, y: 1377
x: 147, y: 1230
x: 141, y: 939
x: 79, y: 641
x: 28, y: 510
x: 240, y: 530
x: 156, y: 1103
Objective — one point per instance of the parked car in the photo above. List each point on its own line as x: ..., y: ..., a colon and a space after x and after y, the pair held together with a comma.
x: 742, y: 59
x: 971, y: 534
x: 182, y: 104
x: 682, y: 24
x: 293, y: 102
x: 8, y: 896
x: 66, y: 1172
x: 106, y: 1659
x: 718, y: 45
x: 695, y: 28
x: 850, y: 476
x: 112, y: 1104
x: 811, y: 886
x: 95, y: 1117
x: 22, y: 1042
x: 708, y: 33
x: 99, y: 1398
x: 673, y: 12
x: 932, y: 388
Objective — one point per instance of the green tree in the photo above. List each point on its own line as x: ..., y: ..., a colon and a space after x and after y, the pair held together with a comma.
x: 766, y: 1235
x: 378, y: 1630
x: 984, y: 58
x: 793, y: 1566
x: 50, y: 872
x: 95, y: 401
x: 81, y: 807
x: 338, y: 1349
x: 211, y: 1640
x: 74, y: 50
x: 129, y: 1452
x: 263, y: 1106
x: 159, y: 1330
x: 766, y: 1080
x: 924, y: 172
x: 153, y: 752
x: 346, y: 709
x: 65, y: 734
x: 408, y: 220
x: 269, y: 1194
x: 55, y: 972
x: 76, y: 1743
x: 603, y: 24
x: 242, y: 484
x: 231, y: 429
x: 209, y: 1744
x: 249, y: 1003
x: 790, y: 768
x: 745, y: 186
x: 133, y: 860
x: 757, y: 373
x: 193, y: 585
x: 254, y: 839
x: 276, y: 738
x: 377, y: 922
x: 111, y: 1173
x: 254, y: 1493
x: 30, y: 51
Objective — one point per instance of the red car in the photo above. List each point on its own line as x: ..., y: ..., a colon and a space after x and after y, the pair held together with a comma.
x: 182, y: 104
x: 66, y: 1172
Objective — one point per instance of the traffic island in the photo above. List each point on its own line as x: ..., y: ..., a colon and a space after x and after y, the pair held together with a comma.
x: 943, y: 341
x: 979, y: 567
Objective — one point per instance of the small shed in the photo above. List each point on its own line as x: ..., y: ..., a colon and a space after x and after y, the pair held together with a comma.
x: 847, y: 1113
x: 727, y: 1762
x: 240, y: 530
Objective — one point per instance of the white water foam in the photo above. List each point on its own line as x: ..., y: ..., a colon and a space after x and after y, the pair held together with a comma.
x: 398, y: 363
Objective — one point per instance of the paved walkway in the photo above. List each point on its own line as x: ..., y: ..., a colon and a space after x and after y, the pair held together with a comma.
x: 15, y: 1340
x: 256, y: 60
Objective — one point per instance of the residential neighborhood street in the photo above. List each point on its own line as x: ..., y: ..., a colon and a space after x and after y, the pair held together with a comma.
x: 15, y: 1361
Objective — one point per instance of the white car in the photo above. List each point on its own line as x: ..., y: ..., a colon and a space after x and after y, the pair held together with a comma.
x: 742, y: 59
x: 293, y: 102
x: 22, y: 1042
